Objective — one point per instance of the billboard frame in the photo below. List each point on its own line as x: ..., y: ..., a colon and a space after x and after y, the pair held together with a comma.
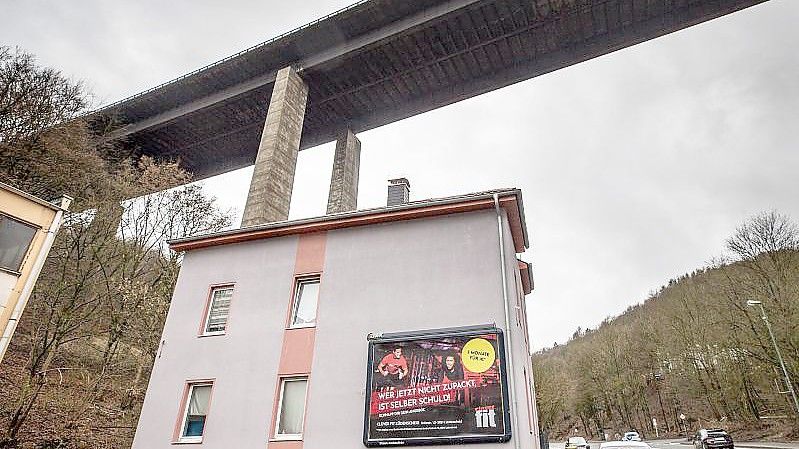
x: 465, y: 331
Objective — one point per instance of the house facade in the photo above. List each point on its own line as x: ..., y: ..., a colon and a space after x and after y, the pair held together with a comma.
x: 350, y: 329
x: 28, y: 226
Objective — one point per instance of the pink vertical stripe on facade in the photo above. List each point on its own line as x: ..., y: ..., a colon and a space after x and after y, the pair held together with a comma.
x: 310, y: 253
x: 298, y: 344
x: 297, y: 353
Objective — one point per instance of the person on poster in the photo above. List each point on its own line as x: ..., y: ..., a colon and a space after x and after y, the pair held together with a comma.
x: 394, y: 368
x: 452, y: 370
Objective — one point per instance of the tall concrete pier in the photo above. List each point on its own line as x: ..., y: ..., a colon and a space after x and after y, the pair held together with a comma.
x: 343, y: 194
x: 270, y: 191
x: 273, y: 178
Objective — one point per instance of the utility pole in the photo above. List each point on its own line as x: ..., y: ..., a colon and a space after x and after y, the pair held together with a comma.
x: 752, y: 302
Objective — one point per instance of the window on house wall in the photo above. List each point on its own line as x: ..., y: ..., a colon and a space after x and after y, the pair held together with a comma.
x: 218, y: 308
x: 519, y: 294
x: 291, y: 408
x: 306, y: 298
x: 15, y: 239
x: 528, y: 387
x: 195, y: 412
x: 522, y: 316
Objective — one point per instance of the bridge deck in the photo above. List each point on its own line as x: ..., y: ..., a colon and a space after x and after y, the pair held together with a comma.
x: 379, y: 61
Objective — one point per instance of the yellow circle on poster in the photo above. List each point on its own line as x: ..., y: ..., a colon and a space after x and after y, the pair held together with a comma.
x: 478, y: 355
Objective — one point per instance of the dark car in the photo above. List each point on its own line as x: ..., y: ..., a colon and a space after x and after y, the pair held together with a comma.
x: 713, y: 439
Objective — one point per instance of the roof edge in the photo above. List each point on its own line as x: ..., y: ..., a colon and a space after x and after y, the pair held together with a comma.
x: 62, y: 200
x: 526, y: 274
x: 509, y: 199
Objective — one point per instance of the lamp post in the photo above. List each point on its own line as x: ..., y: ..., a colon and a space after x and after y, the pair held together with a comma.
x: 752, y: 302
x: 682, y: 421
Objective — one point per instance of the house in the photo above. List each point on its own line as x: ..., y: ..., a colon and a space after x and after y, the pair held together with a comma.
x: 403, y: 324
x: 28, y: 226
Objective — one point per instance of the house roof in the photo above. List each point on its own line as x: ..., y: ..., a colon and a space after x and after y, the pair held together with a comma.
x: 508, y: 199
x: 61, y: 203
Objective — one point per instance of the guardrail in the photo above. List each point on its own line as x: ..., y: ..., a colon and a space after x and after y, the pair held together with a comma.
x: 228, y: 58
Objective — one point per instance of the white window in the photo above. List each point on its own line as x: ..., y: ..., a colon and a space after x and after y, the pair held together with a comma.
x: 291, y: 408
x: 195, y: 412
x: 218, y: 308
x: 306, y: 297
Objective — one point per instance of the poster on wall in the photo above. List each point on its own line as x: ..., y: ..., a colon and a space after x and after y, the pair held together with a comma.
x: 437, y: 388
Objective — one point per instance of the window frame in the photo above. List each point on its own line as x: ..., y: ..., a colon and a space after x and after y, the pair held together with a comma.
x: 203, y: 331
x: 278, y: 412
x: 35, y: 228
x: 295, y: 300
x: 189, y: 388
x: 528, y: 389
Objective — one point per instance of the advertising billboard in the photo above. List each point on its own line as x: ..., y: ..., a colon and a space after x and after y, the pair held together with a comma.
x: 446, y: 387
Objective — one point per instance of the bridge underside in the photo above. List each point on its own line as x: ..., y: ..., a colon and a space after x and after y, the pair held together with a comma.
x: 381, y: 61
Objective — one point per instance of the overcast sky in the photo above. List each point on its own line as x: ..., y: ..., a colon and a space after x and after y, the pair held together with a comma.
x: 634, y: 166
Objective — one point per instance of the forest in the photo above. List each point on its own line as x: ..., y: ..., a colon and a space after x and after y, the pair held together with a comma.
x: 693, y: 355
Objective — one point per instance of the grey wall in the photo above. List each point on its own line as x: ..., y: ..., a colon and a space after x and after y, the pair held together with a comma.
x: 244, y: 361
x: 419, y: 274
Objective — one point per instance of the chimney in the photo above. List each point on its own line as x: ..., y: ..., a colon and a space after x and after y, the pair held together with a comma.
x: 399, y: 191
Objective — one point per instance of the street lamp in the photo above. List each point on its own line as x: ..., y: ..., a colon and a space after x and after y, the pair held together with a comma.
x: 752, y: 302
x: 684, y: 427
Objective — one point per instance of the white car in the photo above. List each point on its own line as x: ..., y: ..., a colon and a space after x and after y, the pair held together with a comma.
x: 631, y: 436
x: 577, y: 443
x: 624, y: 445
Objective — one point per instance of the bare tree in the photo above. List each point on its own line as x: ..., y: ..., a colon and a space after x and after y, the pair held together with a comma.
x: 767, y: 234
x: 32, y: 98
x: 107, y: 288
x: 92, y: 326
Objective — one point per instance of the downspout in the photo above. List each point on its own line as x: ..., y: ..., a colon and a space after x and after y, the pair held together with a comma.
x: 31, y: 281
x: 509, y: 342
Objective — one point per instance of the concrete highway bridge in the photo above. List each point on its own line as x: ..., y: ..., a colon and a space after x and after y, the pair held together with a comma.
x: 370, y: 64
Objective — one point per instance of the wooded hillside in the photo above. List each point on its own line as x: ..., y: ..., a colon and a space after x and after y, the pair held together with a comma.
x: 75, y: 373
x: 693, y: 348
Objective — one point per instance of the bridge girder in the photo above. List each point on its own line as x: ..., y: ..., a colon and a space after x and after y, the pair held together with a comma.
x: 381, y: 61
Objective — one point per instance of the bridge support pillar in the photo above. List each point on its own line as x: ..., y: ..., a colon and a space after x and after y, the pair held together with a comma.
x: 343, y: 194
x: 270, y: 189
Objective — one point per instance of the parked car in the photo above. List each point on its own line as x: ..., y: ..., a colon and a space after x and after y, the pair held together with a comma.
x: 713, y: 439
x: 577, y: 443
x: 631, y: 436
x: 625, y: 445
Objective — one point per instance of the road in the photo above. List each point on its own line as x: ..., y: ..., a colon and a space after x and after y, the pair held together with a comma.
x: 683, y: 444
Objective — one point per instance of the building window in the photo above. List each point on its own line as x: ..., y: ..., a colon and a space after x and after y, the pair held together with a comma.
x: 306, y: 297
x: 528, y: 389
x: 218, y: 308
x: 291, y: 408
x: 195, y: 413
x: 15, y: 239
